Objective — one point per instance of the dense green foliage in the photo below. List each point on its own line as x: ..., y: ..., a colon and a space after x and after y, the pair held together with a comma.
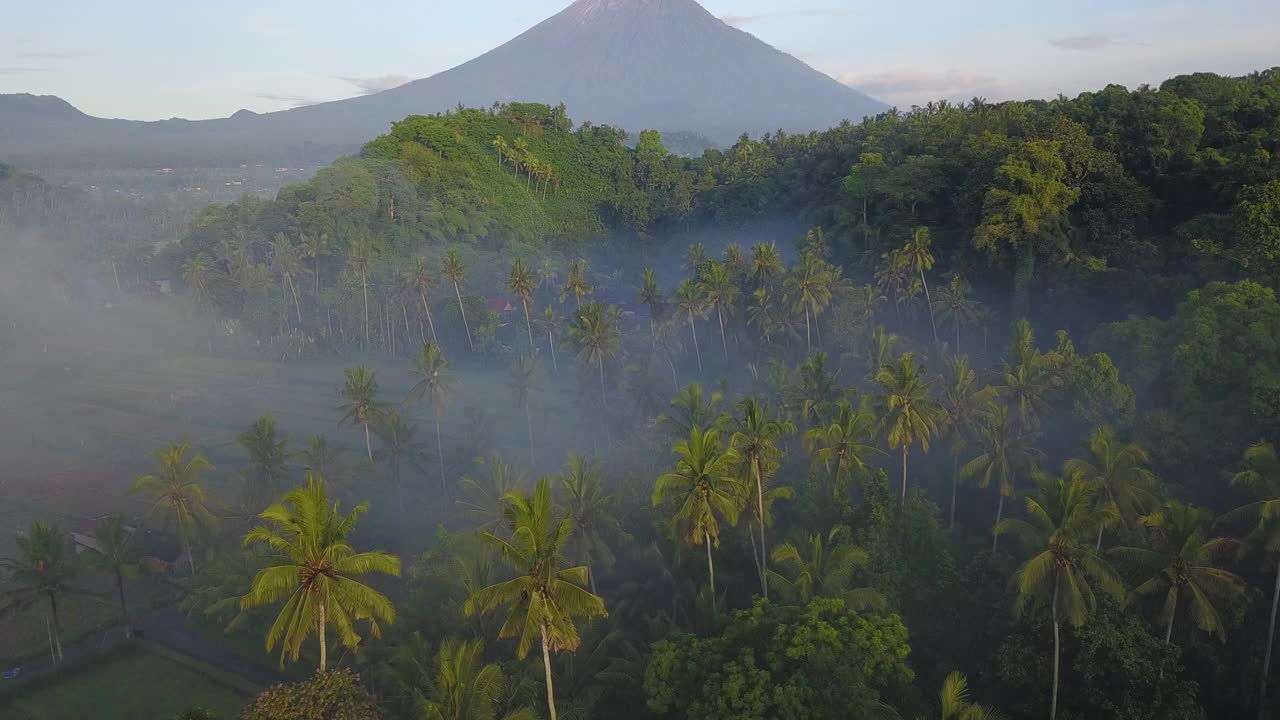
x: 819, y: 660
x: 899, y: 298
x: 334, y: 695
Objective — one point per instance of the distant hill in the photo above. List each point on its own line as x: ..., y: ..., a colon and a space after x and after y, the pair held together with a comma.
x: 637, y: 64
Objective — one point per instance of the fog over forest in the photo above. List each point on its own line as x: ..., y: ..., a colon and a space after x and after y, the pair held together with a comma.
x: 963, y: 412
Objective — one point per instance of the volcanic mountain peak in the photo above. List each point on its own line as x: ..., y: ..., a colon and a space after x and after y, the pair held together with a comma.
x: 588, y: 10
x: 667, y: 65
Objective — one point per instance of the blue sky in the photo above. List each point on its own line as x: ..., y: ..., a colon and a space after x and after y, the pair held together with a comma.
x: 151, y: 59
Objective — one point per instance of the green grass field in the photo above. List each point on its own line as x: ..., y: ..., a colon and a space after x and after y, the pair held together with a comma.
x: 143, y: 684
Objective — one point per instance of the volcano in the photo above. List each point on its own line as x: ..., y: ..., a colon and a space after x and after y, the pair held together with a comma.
x: 637, y: 64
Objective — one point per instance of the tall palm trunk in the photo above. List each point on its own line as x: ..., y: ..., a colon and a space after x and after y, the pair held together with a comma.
x: 905, y: 447
x: 835, y: 477
x: 723, y: 344
x: 124, y: 606
x: 440, y: 455
x: 364, y: 287
x: 551, y: 340
x: 929, y: 301
x: 546, y: 669
x: 1266, y: 663
x: 1098, y: 545
x: 430, y: 323
x: 297, y: 307
x: 528, y: 324
x: 808, y: 342
x: 528, y: 421
x: 315, y: 268
x: 191, y: 558
x: 463, y: 311
x: 955, y: 483
x: 957, y: 324
x: 368, y: 444
x: 600, y: 366
x: 764, y: 549
x: 57, y: 625
x: 696, y: 350
x: 711, y: 568
x: 1057, y: 650
x: 324, y: 647
x: 995, y: 538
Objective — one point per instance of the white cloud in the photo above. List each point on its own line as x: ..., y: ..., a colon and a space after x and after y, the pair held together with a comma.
x: 371, y: 85
x: 1083, y: 42
x: 739, y: 21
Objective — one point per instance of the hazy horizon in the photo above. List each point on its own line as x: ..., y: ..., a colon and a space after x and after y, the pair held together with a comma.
x: 171, y: 61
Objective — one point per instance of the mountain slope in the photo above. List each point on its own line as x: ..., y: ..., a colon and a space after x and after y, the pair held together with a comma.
x: 665, y: 64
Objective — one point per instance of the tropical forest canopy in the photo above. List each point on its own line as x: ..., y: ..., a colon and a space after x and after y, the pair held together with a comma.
x: 964, y: 411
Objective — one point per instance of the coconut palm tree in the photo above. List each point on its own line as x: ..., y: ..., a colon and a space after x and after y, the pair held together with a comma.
x: 1028, y: 378
x: 692, y: 408
x: 175, y: 491
x: 880, y: 350
x: 314, y: 246
x: 44, y: 570
x: 766, y: 264
x: 323, y: 460
x: 894, y: 278
x: 317, y: 573
x: 1004, y: 453
x: 963, y: 402
x: 809, y: 287
x: 595, y: 331
x: 399, y: 448
x: 1065, y: 569
x: 1125, y: 483
x: 827, y: 571
x: 418, y: 278
x: 485, y: 501
x: 696, y: 260
x: 544, y: 598
x: 919, y: 254
x: 550, y: 324
x: 266, y: 470
x: 526, y: 381
x: 359, y: 259
x: 817, y: 390
x: 548, y: 273
x: 1261, y: 478
x: 521, y: 283
x: 1178, y: 567
x: 843, y: 446
x: 362, y: 406
x: 119, y: 554
x: 456, y: 271
x: 433, y: 383
x: 701, y: 490
x: 912, y: 415
x: 955, y: 308
x: 465, y: 687
x: 720, y: 292
x: 593, y: 512
x: 286, y: 263
x: 765, y: 314
x: 576, y: 283
x: 953, y: 701
x: 654, y: 300
x: 755, y: 439
x: 688, y: 301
